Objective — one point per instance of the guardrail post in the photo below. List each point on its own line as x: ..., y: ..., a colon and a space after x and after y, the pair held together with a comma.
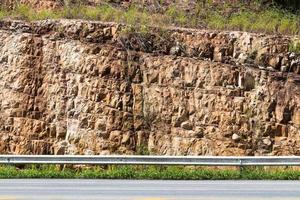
x: 241, y: 167
x: 9, y: 163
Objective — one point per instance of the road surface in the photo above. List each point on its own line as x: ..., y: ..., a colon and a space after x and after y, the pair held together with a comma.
x: 147, y: 190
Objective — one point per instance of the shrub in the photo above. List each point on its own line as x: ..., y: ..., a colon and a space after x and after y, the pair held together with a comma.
x: 23, y: 12
x: 216, y: 21
x: 242, y: 21
x: 142, y: 150
x: 295, y: 46
x: 3, y: 14
x: 177, y: 16
x: 108, y: 13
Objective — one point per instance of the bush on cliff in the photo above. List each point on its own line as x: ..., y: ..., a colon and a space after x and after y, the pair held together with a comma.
x: 295, y: 46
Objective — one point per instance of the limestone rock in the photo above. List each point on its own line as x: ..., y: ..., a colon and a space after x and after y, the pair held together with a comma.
x: 235, y: 137
x: 267, y: 141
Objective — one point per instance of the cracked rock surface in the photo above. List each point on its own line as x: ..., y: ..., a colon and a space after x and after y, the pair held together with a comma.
x: 81, y: 87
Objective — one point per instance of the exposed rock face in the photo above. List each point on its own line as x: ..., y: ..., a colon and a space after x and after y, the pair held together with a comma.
x: 81, y: 87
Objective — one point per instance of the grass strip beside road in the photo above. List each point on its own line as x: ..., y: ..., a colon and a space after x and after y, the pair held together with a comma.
x: 149, y: 172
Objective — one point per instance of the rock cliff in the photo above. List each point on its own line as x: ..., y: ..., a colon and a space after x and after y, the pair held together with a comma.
x: 80, y: 87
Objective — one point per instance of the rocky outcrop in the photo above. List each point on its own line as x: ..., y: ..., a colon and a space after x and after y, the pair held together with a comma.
x: 80, y: 87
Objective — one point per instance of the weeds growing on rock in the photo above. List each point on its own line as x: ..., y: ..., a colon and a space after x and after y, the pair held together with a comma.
x: 2, y: 14
x: 295, y: 46
x: 142, y: 150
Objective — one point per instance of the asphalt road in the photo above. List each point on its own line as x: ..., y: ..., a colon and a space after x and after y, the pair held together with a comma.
x: 147, y: 190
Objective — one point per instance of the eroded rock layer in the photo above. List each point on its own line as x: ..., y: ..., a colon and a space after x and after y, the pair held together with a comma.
x: 78, y: 87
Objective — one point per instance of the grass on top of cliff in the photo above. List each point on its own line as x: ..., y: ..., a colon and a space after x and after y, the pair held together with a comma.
x: 255, y: 17
x: 150, y: 172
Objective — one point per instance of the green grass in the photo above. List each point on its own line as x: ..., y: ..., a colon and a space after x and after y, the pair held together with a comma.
x: 3, y: 14
x: 269, y: 21
x: 150, y: 172
x: 177, y: 16
x: 256, y: 18
x: 295, y: 46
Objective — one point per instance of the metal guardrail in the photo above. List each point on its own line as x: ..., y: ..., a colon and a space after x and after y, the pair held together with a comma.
x: 152, y: 160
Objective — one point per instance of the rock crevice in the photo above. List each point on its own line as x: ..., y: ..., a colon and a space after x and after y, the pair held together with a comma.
x: 79, y: 87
